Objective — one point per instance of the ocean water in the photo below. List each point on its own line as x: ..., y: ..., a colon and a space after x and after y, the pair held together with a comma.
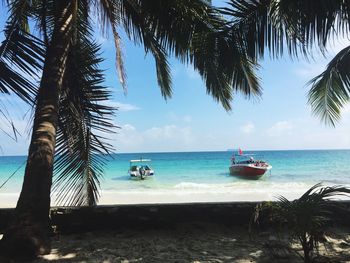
x: 208, y: 172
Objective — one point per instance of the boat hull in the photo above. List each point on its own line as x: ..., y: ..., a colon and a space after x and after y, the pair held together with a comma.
x: 136, y: 175
x: 248, y: 172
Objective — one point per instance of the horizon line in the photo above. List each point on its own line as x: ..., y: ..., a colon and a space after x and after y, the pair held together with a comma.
x: 226, y: 150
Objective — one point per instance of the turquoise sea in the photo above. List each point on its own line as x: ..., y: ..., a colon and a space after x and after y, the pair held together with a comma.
x: 208, y: 172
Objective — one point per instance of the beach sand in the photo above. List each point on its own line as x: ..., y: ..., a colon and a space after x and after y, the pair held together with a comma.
x: 176, y: 233
x: 186, y: 242
x: 9, y: 200
x: 195, y: 242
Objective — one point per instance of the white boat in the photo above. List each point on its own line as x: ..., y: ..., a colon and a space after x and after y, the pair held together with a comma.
x: 139, y: 169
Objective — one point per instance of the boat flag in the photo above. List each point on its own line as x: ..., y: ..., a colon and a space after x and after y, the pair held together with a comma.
x: 240, y: 152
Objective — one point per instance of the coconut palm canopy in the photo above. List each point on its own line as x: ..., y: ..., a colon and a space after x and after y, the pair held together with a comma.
x: 191, y: 31
x: 297, y: 27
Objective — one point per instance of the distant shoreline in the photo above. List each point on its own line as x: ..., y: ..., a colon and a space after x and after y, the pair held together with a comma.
x: 208, y: 151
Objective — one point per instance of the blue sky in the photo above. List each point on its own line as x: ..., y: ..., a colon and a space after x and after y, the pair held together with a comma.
x: 192, y: 121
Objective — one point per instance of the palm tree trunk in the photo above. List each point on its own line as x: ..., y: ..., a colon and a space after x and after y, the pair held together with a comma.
x: 30, y: 229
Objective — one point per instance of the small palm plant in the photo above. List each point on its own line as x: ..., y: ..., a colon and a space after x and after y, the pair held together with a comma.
x: 306, y: 218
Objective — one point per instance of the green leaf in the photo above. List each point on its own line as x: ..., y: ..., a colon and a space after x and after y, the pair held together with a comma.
x: 81, y: 148
x: 330, y: 91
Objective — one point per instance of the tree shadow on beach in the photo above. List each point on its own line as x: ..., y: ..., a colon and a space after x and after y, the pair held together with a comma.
x: 186, y: 242
x: 182, y: 243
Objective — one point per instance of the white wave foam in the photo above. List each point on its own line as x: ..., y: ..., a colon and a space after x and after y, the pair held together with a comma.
x: 243, y: 186
x: 188, y: 185
x: 200, y: 192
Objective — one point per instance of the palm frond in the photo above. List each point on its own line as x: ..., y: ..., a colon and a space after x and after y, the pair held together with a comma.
x: 140, y: 30
x: 21, y: 53
x: 225, y: 67
x: 11, y: 81
x: 162, y: 65
x: 307, y: 217
x: 192, y: 32
x: 261, y: 27
x: 20, y: 11
x: 110, y: 16
x: 298, y: 25
x: 330, y: 91
x: 83, y: 119
x: 315, y: 22
x: 313, y: 209
x: 44, y: 15
x: 21, y: 58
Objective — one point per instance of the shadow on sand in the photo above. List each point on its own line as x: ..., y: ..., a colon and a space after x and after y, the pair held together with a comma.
x: 196, y: 242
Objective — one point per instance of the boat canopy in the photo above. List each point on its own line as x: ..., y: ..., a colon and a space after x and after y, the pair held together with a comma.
x: 140, y: 160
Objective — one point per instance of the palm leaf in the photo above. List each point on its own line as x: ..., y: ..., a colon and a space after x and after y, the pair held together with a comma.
x: 139, y: 29
x: 81, y: 147
x: 44, y: 15
x: 330, y: 91
x: 261, y: 26
x: 192, y: 32
x: 298, y: 25
x: 21, y: 58
x: 306, y: 218
x: 313, y: 209
x: 21, y: 53
x: 110, y: 16
x: 315, y: 22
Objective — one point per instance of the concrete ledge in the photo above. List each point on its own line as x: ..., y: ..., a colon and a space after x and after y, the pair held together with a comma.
x: 80, y: 219
x: 150, y: 216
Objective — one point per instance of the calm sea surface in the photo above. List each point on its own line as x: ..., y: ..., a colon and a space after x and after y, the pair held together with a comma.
x: 208, y: 171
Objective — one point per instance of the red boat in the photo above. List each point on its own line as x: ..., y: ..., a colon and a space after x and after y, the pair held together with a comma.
x: 246, y: 167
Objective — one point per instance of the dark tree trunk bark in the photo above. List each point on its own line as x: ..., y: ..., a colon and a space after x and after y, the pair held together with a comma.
x: 306, y: 249
x: 29, y: 233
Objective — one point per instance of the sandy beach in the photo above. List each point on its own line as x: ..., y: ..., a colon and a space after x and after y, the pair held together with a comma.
x: 178, y: 233
x: 238, y: 194
x: 195, y: 242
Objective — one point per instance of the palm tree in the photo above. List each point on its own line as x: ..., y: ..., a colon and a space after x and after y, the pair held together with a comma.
x: 306, y: 218
x: 297, y: 27
x: 69, y: 101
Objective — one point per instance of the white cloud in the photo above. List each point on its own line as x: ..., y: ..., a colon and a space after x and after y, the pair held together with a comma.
x: 122, y: 106
x: 280, y: 128
x: 310, y: 70
x: 160, y: 133
x: 176, y: 118
x: 168, y: 132
x: 164, y: 138
x: 284, y: 134
x: 248, y: 128
x: 128, y: 127
x: 187, y: 118
x: 319, y: 63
